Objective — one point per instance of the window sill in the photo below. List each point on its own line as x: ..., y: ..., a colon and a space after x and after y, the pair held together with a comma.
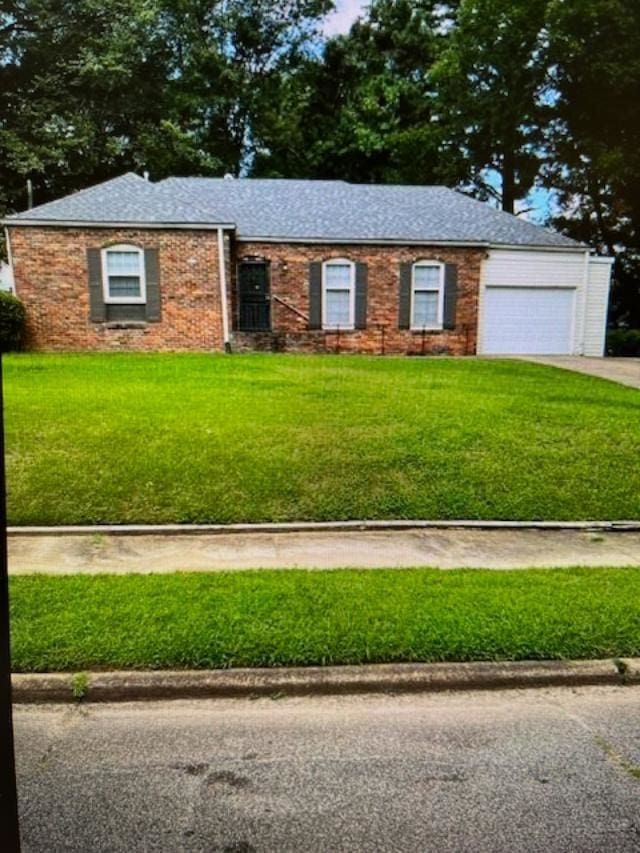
x: 124, y: 324
x: 337, y: 329
x: 418, y: 330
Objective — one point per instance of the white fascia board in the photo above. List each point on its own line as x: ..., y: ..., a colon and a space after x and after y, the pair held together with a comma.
x: 533, y: 248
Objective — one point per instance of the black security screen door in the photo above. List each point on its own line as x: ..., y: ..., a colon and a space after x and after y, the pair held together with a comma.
x: 253, y: 292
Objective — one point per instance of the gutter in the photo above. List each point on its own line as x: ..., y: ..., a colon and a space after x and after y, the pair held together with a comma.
x: 455, y: 244
x: 78, y: 223
x: 389, y: 678
x: 353, y: 241
x: 327, y: 241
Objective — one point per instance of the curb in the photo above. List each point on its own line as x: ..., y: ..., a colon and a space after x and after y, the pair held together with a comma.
x: 317, y: 527
x: 313, y: 681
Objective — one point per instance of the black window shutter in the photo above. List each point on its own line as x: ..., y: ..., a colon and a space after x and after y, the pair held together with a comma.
x: 361, y: 296
x: 97, y: 308
x: 450, y: 295
x: 404, y: 318
x: 315, y: 295
x: 152, y: 274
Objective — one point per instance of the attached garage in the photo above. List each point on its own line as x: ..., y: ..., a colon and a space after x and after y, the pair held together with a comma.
x: 529, y: 320
x: 543, y: 302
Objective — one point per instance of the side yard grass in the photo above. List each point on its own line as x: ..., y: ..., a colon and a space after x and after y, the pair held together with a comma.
x: 272, y: 618
x: 117, y: 438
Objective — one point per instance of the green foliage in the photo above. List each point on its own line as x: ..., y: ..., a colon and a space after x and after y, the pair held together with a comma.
x: 362, y: 110
x: 490, y: 81
x: 265, y: 437
x: 493, y: 96
x: 594, y: 140
x: 284, y: 618
x: 92, y: 88
x: 79, y: 82
x: 623, y: 342
x: 80, y: 686
x: 12, y: 320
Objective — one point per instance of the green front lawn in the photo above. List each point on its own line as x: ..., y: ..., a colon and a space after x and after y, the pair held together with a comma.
x: 204, y: 438
x: 302, y: 618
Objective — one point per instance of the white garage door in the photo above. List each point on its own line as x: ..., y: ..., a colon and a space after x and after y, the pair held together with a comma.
x: 528, y: 320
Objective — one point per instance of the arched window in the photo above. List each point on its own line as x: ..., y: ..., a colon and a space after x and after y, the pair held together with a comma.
x: 338, y: 294
x: 427, y: 295
x: 123, y: 275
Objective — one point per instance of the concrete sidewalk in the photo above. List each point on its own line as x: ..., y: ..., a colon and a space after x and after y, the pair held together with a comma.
x: 447, y: 548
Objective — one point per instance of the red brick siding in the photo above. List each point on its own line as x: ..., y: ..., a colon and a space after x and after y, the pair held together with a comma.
x: 289, y: 269
x: 50, y: 267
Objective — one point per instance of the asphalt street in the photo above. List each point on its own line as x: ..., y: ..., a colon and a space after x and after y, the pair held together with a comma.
x: 538, y: 770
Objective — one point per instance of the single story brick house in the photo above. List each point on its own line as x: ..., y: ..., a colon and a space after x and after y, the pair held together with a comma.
x: 237, y: 264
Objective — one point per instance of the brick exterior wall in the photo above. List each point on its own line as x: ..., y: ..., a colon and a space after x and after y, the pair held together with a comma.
x: 51, y: 276
x: 289, y: 278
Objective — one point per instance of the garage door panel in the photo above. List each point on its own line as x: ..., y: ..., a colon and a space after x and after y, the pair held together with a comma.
x: 528, y: 320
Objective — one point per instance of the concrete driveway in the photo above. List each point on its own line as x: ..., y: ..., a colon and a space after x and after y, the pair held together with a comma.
x: 626, y: 371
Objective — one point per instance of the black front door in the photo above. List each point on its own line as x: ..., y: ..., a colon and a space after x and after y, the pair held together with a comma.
x: 253, y: 297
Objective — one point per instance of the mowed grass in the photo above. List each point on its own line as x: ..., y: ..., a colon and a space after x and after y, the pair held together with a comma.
x: 302, y: 618
x: 248, y: 438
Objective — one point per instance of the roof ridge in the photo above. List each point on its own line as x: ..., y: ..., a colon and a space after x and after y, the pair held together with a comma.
x: 255, y: 179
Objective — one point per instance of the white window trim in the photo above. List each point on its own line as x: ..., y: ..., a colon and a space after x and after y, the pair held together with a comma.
x: 124, y: 300
x: 352, y: 294
x: 440, y: 290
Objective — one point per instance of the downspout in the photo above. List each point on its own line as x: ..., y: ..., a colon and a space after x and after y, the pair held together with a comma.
x: 10, y: 260
x: 585, y: 303
x: 222, y: 267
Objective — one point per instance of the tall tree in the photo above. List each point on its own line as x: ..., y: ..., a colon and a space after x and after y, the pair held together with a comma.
x: 91, y: 88
x: 229, y: 57
x: 594, y: 140
x: 491, y: 83
x: 363, y: 109
x: 79, y: 82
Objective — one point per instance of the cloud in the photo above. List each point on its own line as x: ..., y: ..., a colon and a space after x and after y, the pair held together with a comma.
x: 345, y: 14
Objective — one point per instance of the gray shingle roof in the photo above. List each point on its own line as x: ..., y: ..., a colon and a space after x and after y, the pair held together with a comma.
x: 299, y: 210
x: 128, y: 198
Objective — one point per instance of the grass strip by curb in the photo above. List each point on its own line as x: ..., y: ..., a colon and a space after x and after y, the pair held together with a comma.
x: 298, y: 618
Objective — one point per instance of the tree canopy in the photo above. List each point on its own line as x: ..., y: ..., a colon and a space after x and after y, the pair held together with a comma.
x: 494, y: 97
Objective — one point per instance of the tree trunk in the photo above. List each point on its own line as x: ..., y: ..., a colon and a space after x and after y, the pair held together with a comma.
x: 508, y: 181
